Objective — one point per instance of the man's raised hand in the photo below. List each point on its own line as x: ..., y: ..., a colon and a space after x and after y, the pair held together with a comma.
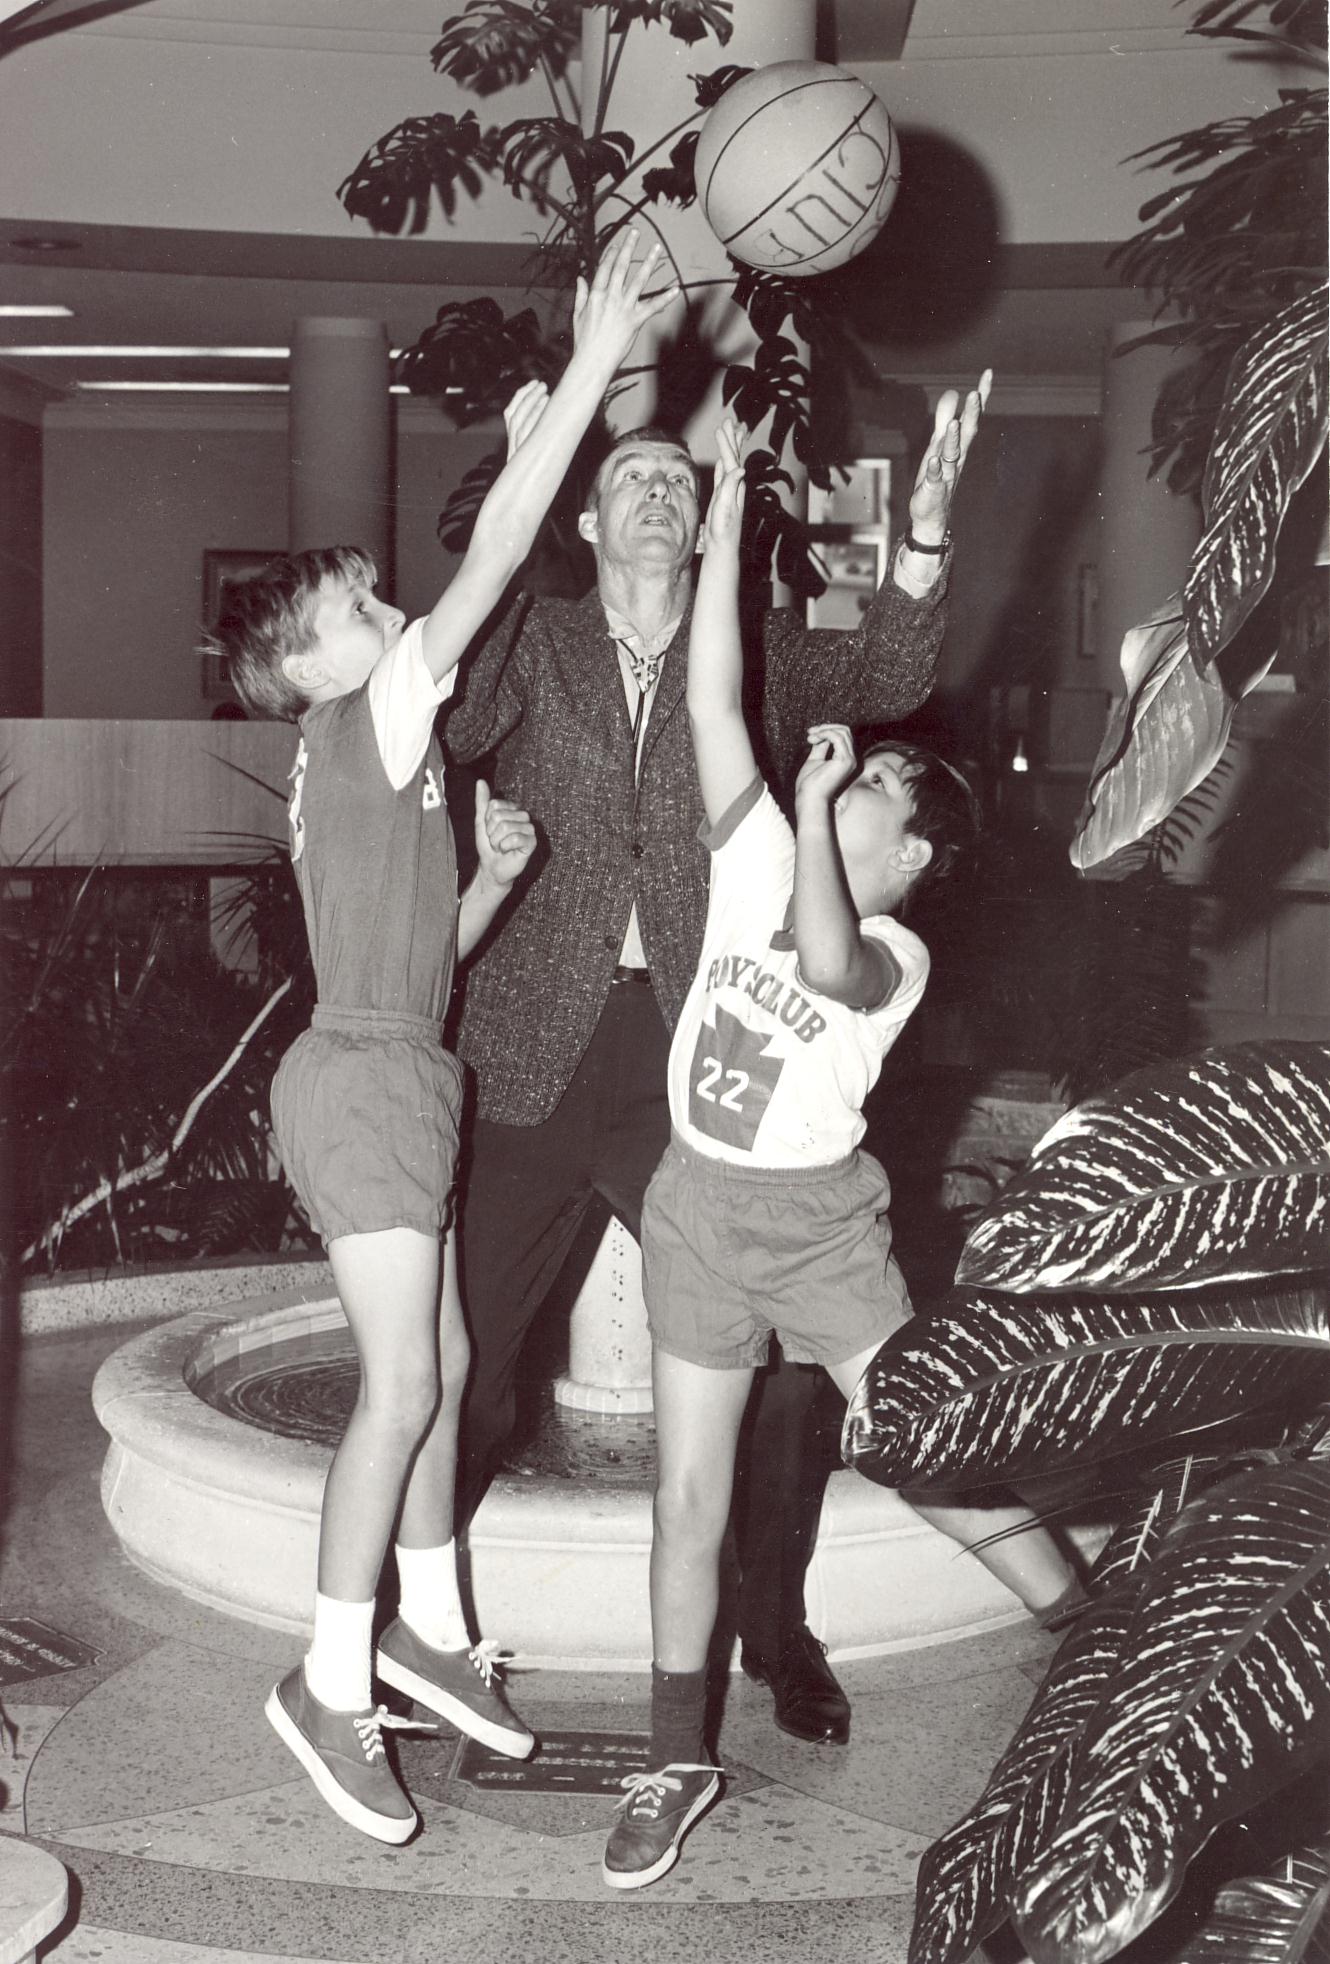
x: 944, y: 459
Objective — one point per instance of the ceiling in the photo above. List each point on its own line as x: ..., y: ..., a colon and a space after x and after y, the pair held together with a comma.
x: 936, y: 294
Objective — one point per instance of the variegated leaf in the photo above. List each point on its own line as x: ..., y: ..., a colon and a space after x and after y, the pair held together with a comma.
x: 1220, y: 1698
x: 998, y: 1386
x: 1271, y: 430
x: 1281, y: 1917
x: 1213, y: 1168
x: 1140, y: 1529
x: 1164, y: 736
x: 966, y: 1877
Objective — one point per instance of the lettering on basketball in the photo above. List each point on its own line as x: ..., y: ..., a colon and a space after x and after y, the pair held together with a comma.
x: 730, y: 1081
x: 297, y: 781
x: 862, y: 161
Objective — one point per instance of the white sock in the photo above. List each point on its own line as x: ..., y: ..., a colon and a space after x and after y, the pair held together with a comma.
x: 337, y: 1661
x: 429, y: 1600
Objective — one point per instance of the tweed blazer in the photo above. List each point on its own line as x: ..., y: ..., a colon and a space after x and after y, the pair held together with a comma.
x: 542, y: 698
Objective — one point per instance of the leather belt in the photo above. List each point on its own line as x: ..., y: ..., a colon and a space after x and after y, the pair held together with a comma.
x: 623, y: 974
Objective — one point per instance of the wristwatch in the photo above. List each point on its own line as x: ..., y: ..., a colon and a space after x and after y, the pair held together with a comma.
x: 912, y: 544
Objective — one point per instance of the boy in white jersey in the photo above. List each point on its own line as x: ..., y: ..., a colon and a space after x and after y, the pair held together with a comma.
x: 763, y: 1214
x: 366, y: 1103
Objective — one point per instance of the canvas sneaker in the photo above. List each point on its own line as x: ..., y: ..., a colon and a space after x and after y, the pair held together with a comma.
x: 653, y: 1820
x: 343, y: 1754
x: 462, y: 1686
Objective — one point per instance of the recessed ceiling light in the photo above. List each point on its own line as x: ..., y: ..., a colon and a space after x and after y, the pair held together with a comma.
x: 32, y: 243
x: 121, y: 351
x: 25, y: 313
x: 188, y: 388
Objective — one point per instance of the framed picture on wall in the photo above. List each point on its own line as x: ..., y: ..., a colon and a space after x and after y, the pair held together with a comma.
x: 220, y: 566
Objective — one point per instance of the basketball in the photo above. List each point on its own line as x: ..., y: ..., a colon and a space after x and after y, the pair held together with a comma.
x: 796, y: 167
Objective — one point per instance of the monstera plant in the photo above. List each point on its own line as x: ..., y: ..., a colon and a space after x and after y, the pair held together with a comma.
x: 1148, y: 1303
x: 584, y: 178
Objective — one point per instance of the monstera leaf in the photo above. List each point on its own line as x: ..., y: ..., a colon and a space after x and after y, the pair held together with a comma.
x: 1271, y: 431
x: 1281, y: 1917
x: 1220, y: 1696
x: 966, y: 1877
x: 1164, y: 737
x: 1000, y: 1387
x: 1211, y: 1169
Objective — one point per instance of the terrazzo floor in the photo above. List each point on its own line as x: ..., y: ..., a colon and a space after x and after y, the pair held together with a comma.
x: 190, y: 1838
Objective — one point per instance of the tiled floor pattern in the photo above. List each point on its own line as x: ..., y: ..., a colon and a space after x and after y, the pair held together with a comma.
x: 191, y: 1838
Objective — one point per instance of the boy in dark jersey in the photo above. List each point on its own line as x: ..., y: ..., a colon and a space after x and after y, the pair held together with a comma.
x: 366, y: 1103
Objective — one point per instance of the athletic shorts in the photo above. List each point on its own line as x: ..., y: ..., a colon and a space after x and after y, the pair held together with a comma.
x: 731, y: 1253
x: 365, y: 1109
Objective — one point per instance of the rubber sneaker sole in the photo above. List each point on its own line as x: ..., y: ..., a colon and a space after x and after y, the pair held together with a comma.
x: 383, y: 1827
x: 639, y: 1878
x: 499, y: 1738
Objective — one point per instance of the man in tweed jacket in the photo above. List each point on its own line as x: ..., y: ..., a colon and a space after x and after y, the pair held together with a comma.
x: 568, y: 1012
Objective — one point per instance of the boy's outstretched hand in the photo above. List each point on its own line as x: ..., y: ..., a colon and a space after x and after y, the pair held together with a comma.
x: 523, y: 411
x: 829, y: 766
x: 505, y: 837
x: 726, y: 509
x: 608, y: 313
x: 944, y: 460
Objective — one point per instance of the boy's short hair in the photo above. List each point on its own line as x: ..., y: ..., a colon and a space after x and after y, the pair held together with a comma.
x: 943, y: 808
x: 646, y: 433
x: 270, y: 616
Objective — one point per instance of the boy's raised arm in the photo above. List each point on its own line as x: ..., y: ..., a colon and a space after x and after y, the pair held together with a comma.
x: 544, y: 436
x: 835, y: 956
x: 722, y: 746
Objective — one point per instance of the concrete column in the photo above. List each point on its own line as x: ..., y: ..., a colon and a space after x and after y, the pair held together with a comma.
x: 340, y: 433
x: 609, y: 1348
x: 1146, y: 531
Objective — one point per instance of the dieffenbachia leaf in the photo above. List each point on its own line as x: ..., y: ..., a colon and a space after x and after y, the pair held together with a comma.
x: 1280, y: 1917
x: 1164, y: 737
x: 1214, y: 1168
x: 1220, y: 1697
x: 997, y: 1387
x: 1271, y: 430
x: 966, y: 1877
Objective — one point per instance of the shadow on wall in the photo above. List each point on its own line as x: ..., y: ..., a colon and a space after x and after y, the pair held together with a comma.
x: 932, y: 271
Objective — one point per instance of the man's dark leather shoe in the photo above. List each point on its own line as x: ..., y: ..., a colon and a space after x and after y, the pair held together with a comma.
x: 809, y: 1702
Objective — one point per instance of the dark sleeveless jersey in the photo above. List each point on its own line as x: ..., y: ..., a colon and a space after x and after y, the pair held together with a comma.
x: 376, y: 867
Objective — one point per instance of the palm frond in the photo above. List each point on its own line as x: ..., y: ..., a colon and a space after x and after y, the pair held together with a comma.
x: 1215, y: 1168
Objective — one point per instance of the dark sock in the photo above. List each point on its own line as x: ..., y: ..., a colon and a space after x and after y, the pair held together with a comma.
x: 678, y: 1718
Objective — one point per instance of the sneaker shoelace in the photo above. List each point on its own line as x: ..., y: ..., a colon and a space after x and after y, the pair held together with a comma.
x: 488, y: 1658
x: 646, y: 1794
x: 371, y: 1727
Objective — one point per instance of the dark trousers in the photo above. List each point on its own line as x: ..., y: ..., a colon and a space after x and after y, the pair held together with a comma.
x: 526, y: 1193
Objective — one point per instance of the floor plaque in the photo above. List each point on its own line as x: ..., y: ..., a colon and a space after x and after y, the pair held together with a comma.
x: 29, y: 1649
x: 564, y: 1762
